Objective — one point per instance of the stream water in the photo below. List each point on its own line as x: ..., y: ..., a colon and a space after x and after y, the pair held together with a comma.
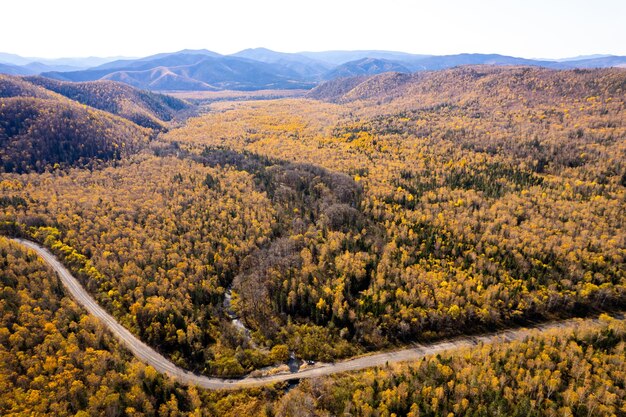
x: 228, y: 296
x: 294, y: 363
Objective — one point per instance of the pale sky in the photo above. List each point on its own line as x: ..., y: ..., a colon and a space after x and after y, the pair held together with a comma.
x: 525, y: 28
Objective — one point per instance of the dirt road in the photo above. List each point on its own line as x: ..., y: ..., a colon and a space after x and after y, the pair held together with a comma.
x: 149, y: 356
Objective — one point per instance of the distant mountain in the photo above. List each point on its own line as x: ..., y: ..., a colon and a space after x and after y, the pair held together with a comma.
x: 84, y: 62
x: 578, y: 58
x: 450, y: 61
x: 14, y: 59
x: 262, y: 68
x: 160, y: 79
x: 437, y: 62
x: 31, y: 69
x: 13, y: 70
x: 306, y: 67
x: 184, y: 57
x: 269, y: 56
x: 38, y: 67
x: 56, y: 64
x: 341, y: 57
x: 143, y: 64
x: 204, y: 52
x: 365, y: 66
x: 598, y: 62
x: 193, y: 71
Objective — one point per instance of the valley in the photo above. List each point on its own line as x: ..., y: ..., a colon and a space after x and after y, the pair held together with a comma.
x: 368, y: 225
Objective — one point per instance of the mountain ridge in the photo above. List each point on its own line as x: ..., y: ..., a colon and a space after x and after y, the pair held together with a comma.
x: 261, y: 68
x: 452, y: 84
x: 366, y: 66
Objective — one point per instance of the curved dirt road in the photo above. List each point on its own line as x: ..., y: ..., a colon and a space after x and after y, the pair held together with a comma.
x: 149, y: 356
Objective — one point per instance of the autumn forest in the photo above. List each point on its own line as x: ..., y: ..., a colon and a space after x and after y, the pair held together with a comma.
x: 370, y: 214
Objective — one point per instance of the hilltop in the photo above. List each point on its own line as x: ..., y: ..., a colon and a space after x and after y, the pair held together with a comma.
x: 463, y: 85
x: 365, y: 66
x: 144, y: 108
x: 45, y: 122
x: 37, y: 133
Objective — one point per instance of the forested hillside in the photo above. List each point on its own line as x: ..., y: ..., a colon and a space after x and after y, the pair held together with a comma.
x: 39, y: 133
x: 141, y: 107
x: 19, y: 87
x: 485, y: 85
x: 405, y: 208
x: 479, y: 205
x: 47, y: 122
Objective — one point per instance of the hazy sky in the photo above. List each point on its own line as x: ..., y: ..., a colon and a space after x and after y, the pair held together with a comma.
x: 526, y: 28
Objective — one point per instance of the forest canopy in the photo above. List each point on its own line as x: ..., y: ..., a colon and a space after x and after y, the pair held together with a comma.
x: 57, y: 361
x: 404, y: 208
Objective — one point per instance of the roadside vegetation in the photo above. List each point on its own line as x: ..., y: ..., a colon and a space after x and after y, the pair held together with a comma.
x: 58, y: 361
